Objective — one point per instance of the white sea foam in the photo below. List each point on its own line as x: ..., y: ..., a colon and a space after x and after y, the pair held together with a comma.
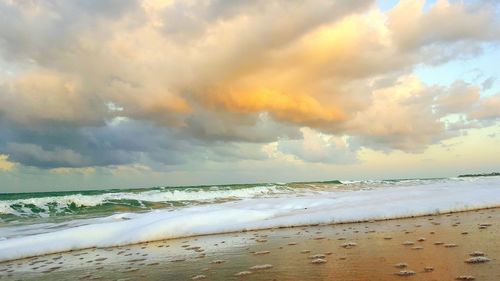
x: 260, y: 213
x: 6, y: 209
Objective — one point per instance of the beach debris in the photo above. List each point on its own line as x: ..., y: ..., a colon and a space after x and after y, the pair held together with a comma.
x: 135, y: 260
x: 465, y: 277
x: 218, y: 261
x: 317, y: 256
x: 406, y: 273
x: 484, y: 225
x: 450, y: 245
x: 261, y: 266
x: 259, y: 253
x: 292, y: 243
x: 130, y: 270
x: 401, y: 265
x: 421, y: 239
x: 477, y: 254
x: 438, y: 243
x: 348, y: 245
x: 408, y: 243
x: 318, y: 261
x: 387, y: 238
x: 199, y: 277
x: 319, y: 238
x: 178, y: 260
x: 428, y: 269
x: 243, y: 273
x: 49, y: 270
x: 261, y: 240
x: 479, y: 259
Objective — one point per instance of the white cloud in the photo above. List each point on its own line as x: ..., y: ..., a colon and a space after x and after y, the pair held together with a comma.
x: 120, y: 82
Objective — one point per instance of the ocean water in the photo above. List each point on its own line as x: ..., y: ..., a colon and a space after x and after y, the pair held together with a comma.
x: 34, y: 224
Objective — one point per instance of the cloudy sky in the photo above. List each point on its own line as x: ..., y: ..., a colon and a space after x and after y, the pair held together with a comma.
x: 125, y: 93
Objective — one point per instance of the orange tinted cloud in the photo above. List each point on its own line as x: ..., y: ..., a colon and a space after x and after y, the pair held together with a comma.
x: 5, y: 164
x: 295, y: 108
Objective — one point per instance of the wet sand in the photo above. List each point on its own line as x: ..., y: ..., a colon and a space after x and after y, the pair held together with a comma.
x: 443, y: 247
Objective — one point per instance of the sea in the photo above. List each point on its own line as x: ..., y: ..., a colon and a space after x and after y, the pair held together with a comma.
x: 33, y: 224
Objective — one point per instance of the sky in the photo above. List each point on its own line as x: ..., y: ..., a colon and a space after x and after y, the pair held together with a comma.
x: 124, y: 93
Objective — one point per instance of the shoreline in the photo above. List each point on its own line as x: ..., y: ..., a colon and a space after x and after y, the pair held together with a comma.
x: 240, y: 251
x: 261, y: 229
x: 251, y: 214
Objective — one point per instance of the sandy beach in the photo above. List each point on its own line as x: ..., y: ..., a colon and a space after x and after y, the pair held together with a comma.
x: 444, y: 247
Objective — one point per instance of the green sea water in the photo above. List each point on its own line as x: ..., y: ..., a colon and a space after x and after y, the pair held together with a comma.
x: 41, y: 207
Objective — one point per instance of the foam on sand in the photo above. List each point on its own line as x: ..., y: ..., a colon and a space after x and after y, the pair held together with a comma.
x: 260, y: 213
